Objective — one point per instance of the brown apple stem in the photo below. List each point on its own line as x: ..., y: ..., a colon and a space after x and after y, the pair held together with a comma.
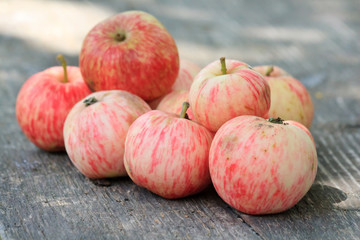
x: 185, y: 107
x: 269, y: 71
x: 223, y: 65
x: 62, y: 60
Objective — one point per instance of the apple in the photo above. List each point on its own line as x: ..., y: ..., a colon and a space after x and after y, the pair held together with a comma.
x: 290, y: 99
x: 130, y: 51
x: 187, y: 72
x: 168, y: 154
x: 44, y: 101
x: 95, y: 131
x: 226, y: 89
x: 155, y: 102
x: 172, y: 103
x: 262, y: 166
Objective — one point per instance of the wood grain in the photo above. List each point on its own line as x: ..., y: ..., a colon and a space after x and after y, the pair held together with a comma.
x: 43, y: 196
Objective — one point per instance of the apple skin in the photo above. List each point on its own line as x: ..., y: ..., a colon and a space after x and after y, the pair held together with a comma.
x: 173, y: 101
x: 168, y: 155
x: 95, y: 134
x: 187, y: 72
x: 43, y: 103
x: 130, y: 51
x: 290, y: 99
x: 259, y: 167
x: 216, y: 98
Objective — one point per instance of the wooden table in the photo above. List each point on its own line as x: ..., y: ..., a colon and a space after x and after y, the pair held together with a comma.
x: 43, y: 196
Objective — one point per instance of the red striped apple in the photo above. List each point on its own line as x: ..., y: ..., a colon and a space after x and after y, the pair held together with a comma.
x: 262, y: 166
x: 130, y: 51
x: 95, y: 132
x: 290, y: 100
x: 227, y: 89
x: 168, y: 154
x: 172, y: 103
x: 44, y: 101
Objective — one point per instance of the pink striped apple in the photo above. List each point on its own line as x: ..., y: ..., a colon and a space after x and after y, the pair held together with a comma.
x: 130, y: 51
x: 45, y: 100
x: 290, y: 100
x: 95, y: 132
x: 172, y: 103
x: 168, y: 154
x: 262, y: 166
x: 187, y: 72
x: 227, y: 89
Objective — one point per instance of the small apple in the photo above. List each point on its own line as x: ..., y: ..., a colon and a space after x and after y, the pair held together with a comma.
x: 130, y: 51
x: 290, y: 99
x: 172, y: 103
x: 227, y: 89
x: 95, y: 132
x: 187, y: 72
x: 168, y: 154
x: 44, y: 101
x: 262, y: 166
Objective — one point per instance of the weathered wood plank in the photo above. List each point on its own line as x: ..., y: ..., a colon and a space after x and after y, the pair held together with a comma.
x: 47, y: 190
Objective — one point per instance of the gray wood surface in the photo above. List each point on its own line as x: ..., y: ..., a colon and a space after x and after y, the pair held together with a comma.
x: 43, y: 196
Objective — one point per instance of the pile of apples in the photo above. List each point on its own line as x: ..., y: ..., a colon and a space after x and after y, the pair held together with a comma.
x: 242, y: 129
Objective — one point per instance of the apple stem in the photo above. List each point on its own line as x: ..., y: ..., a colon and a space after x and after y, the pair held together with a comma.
x: 269, y: 71
x: 62, y: 60
x: 277, y: 120
x: 185, y: 107
x: 223, y: 65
